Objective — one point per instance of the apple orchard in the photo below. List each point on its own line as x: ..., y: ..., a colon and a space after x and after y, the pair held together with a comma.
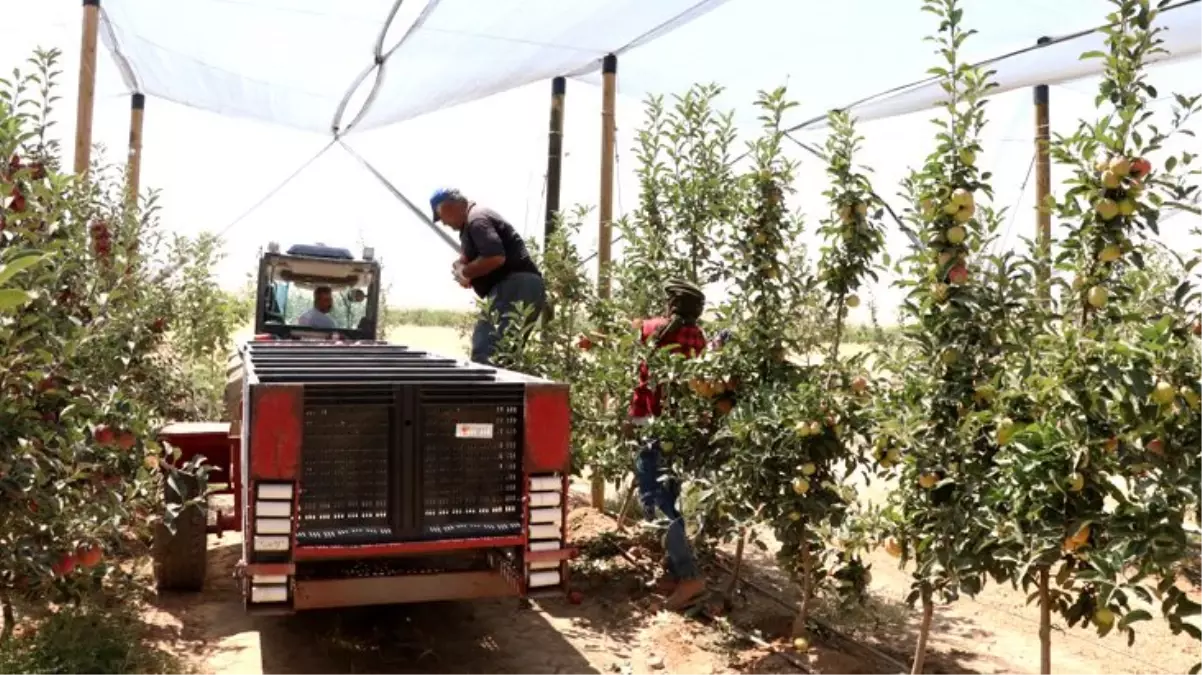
x: 1035, y: 415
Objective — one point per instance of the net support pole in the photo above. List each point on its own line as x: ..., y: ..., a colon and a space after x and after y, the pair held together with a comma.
x: 137, y: 111
x: 609, y: 90
x: 605, y: 209
x: 559, y: 87
x: 87, y: 86
x: 1043, y: 189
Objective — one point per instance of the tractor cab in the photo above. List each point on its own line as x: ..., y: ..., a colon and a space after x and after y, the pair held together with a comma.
x: 289, y: 283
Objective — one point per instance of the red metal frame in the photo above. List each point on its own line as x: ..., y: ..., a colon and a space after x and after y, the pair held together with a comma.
x: 213, y: 441
x: 274, y: 456
x: 548, y: 442
x: 404, y: 548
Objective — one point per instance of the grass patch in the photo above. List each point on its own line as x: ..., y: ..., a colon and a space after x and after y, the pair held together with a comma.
x: 443, y: 318
x: 86, y: 640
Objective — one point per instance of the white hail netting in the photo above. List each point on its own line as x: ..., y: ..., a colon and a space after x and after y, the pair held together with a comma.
x: 298, y: 62
x: 308, y: 64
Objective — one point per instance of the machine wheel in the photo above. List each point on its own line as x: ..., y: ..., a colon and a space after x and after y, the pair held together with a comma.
x: 180, y: 558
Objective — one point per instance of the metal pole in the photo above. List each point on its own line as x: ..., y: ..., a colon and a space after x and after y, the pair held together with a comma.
x: 1043, y: 189
x: 609, y: 82
x: 559, y: 87
x: 609, y: 75
x: 87, y: 86
x: 137, y: 111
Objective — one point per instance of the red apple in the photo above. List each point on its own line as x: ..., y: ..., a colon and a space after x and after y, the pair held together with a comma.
x: 159, y: 325
x: 585, y: 343
x: 1155, y: 446
x: 64, y: 566
x: 1140, y: 167
x: 575, y: 597
x: 958, y: 275
x: 103, y: 435
x: 126, y: 440
x: 89, y: 556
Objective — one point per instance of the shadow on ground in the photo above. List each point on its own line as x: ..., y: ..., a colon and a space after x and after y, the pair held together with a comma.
x: 497, y: 636
x: 877, y: 637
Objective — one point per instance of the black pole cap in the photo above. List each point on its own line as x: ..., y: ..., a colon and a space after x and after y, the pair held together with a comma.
x: 610, y: 64
x: 559, y: 86
x: 91, y: 3
x: 1041, y: 90
x: 137, y: 101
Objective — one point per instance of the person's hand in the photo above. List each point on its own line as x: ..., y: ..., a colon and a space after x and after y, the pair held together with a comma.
x: 464, y: 281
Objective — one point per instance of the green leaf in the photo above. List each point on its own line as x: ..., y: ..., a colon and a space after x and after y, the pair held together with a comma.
x: 12, y: 267
x: 1133, y: 617
x: 12, y: 298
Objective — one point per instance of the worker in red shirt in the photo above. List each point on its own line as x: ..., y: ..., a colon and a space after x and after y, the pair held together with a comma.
x: 658, y: 487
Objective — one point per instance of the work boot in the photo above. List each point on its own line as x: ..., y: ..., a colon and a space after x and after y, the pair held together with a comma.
x: 687, y: 591
x: 666, y: 585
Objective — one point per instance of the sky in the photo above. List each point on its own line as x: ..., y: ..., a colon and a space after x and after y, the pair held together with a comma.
x: 288, y: 57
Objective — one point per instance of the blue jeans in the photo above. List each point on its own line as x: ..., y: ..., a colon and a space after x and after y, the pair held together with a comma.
x: 522, y: 287
x: 658, y: 489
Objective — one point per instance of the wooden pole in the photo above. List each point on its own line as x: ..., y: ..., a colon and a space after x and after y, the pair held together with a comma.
x: 559, y: 87
x: 609, y: 80
x: 87, y: 86
x: 1043, y: 190
x: 609, y: 77
x: 137, y: 110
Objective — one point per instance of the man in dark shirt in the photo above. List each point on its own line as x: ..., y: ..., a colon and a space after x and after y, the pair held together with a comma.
x: 493, y: 262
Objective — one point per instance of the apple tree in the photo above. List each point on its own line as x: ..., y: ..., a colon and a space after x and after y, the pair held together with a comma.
x: 1098, y: 475
x: 81, y: 337
x: 933, y: 434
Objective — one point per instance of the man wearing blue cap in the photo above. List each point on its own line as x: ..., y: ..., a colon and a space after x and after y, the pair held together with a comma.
x: 494, y: 262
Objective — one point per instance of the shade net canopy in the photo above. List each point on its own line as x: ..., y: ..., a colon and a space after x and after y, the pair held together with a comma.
x: 319, y: 65
x: 361, y: 64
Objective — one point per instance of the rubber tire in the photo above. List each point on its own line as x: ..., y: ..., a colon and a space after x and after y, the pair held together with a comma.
x: 180, y: 560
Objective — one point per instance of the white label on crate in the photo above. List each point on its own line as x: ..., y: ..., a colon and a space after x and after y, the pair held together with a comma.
x: 466, y: 430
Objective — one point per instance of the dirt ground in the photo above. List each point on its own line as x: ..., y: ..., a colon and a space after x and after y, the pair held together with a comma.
x: 620, y: 627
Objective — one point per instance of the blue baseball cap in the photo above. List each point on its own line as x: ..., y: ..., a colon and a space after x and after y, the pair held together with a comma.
x: 441, y: 195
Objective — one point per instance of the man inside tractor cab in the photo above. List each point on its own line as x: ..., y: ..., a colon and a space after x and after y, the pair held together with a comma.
x: 493, y: 262
x: 658, y: 487
x: 318, y: 316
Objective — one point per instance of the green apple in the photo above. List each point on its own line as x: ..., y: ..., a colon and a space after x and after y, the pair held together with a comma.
x: 1110, y: 253
x: 1107, y: 209
x: 1163, y: 393
x: 1097, y: 296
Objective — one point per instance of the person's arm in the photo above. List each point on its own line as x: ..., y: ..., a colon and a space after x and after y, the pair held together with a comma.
x: 490, y: 250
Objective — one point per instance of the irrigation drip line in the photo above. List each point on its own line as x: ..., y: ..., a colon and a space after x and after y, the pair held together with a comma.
x: 271, y: 193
